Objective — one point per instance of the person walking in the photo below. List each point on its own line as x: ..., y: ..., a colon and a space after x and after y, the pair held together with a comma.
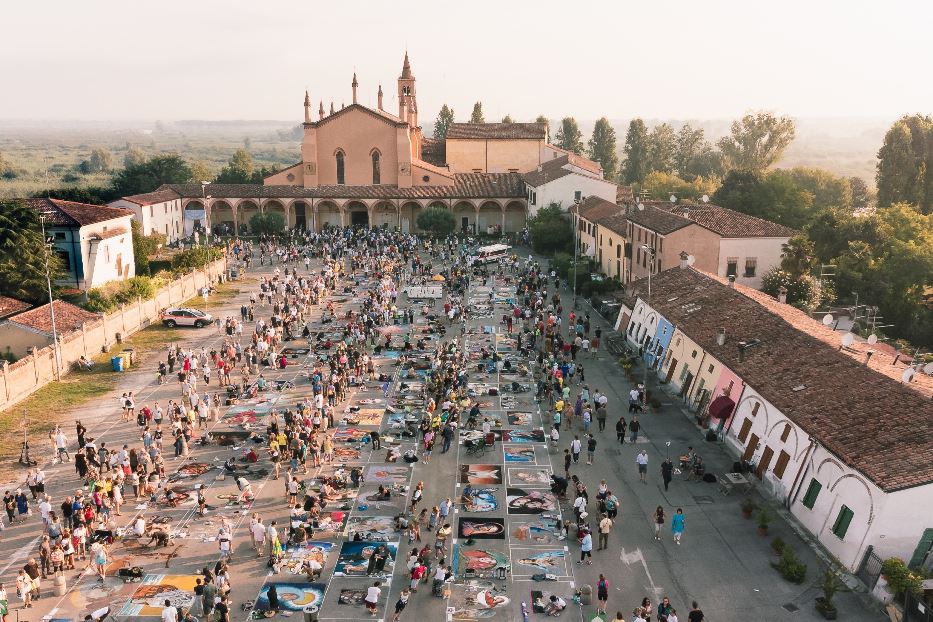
x: 602, y: 593
x: 621, y: 425
x: 633, y: 429
x: 696, y: 614
x: 590, y: 449
x: 372, y: 597
x: 605, y: 526
x: 658, y: 522
x: 586, y: 548
x: 678, y: 522
x: 575, y: 448
x: 667, y: 472
x: 601, y: 414
x: 401, y: 603
x: 642, y: 460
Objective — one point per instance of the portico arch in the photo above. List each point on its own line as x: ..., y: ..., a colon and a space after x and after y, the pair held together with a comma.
x: 327, y: 214
x: 408, y: 216
x: 385, y: 214
x: 223, y: 217
x: 490, y: 217
x: 516, y: 215
x: 465, y: 215
x: 301, y: 215
x: 274, y: 206
x: 246, y: 208
x: 357, y: 214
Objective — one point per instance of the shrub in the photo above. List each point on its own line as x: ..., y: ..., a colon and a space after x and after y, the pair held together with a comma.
x: 196, y: 257
x: 99, y: 301
x: 900, y: 578
x: 790, y: 566
x: 437, y: 221
x: 778, y: 545
x: 137, y: 287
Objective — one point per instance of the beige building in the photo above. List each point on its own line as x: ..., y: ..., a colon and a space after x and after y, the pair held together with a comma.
x: 22, y: 332
x: 158, y: 212
x: 565, y: 180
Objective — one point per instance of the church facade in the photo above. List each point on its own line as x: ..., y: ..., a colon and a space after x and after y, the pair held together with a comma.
x: 372, y: 167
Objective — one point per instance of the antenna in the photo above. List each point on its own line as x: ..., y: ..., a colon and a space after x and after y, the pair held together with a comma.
x: 847, y: 340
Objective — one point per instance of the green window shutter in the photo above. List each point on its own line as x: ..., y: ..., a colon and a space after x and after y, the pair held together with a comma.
x: 809, y: 500
x: 923, y: 548
x: 842, y: 522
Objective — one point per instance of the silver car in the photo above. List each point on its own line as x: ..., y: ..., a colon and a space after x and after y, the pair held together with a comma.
x: 186, y: 317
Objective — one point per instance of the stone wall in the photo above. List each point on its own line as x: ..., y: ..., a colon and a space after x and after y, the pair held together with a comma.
x: 20, y: 379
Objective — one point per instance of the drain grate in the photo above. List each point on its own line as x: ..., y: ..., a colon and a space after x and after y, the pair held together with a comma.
x: 790, y: 607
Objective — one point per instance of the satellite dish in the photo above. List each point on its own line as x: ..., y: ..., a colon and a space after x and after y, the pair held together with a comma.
x: 691, y: 259
x: 873, y: 339
x: 827, y: 319
x: 928, y: 369
x: 907, y: 375
x: 847, y: 340
x: 641, y: 207
x: 705, y: 198
x: 673, y: 199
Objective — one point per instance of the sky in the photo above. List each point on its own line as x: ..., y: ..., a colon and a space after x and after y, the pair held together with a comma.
x: 233, y: 59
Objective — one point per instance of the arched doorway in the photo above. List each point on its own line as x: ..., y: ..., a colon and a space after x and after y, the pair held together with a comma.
x: 516, y: 216
x: 385, y: 214
x: 409, y: 216
x: 357, y: 214
x: 247, y: 209
x: 276, y: 207
x: 195, y: 218
x: 222, y: 218
x: 465, y: 215
x: 490, y: 218
x: 328, y: 215
x: 301, y: 213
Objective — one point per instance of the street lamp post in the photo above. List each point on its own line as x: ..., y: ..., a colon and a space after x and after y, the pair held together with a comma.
x: 576, y: 248
x: 46, y: 244
x: 650, y: 251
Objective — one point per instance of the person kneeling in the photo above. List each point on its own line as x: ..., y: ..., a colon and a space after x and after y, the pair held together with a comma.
x: 556, y: 606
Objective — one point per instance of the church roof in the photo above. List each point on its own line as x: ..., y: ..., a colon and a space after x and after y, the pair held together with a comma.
x: 465, y: 186
x: 434, y: 151
x: 379, y: 114
x: 500, y: 131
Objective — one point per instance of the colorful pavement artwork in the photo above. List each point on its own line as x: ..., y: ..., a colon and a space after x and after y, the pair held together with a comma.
x: 480, y: 474
x: 479, y: 562
x: 292, y: 596
x: 149, y: 597
x: 522, y: 501
x: 354, y: 558
x: 482, y: 528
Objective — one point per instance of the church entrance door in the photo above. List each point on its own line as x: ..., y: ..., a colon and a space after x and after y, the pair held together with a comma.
x: 359, y: 219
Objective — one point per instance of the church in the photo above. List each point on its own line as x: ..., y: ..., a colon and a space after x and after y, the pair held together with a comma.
x: 372, y: 167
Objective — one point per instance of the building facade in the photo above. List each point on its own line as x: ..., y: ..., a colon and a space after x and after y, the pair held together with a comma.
x: 564, y: 180
x: 158, y: 212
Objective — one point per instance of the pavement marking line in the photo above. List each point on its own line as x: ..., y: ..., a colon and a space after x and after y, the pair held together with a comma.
x: 21, y: 553
x: 636, y: 557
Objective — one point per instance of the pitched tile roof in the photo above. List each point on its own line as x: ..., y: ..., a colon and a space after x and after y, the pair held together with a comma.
x: 67, y: 318
x: 71, y: 214
x: 658, y: 220
x: 466, y: 186
x: 874, y: 423
x: 434, y: 151
x: 616, y: 223
x: 579, y: 161
x: 547, y: 172
x: 492, y: 131
x: 151, y: 198
x: 10, y: 306
x: 726, y: 222
x: 379, y: 114
x: 110, y: 233
x: 594, y: 208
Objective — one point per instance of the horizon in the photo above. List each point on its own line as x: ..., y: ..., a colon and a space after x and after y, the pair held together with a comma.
x: 214, y: 61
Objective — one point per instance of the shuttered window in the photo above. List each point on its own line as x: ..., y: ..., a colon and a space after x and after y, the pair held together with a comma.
x: 841, y: 526
x: 746, y: 428
x: 809, y: 499
x: 783, y: 459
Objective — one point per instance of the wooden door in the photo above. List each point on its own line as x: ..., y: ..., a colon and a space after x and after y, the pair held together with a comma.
x: 670, y: 371
x: 764, y: 462
x: 750, y: 448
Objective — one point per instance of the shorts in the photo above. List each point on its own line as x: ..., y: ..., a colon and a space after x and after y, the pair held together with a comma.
x: 642, y: 468
x: 400, y: 607
x: 370, y: 606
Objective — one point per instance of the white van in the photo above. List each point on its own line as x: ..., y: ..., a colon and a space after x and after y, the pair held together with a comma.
x: 491, y: 254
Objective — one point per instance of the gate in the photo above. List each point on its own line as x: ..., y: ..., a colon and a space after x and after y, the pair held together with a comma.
x: 916, y: 609
x: 870, y: 568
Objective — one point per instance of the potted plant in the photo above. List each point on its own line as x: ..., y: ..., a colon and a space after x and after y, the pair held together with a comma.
x: 748, y: 506
x: 830, y: 586
x: 777, y: 545
x: 764, y: 519
x: 790, y: 566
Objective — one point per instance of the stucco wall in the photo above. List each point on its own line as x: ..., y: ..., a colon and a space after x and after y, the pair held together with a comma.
x: 19, y: 380
x: 164, y: 218
x: 357, y: 133
x: 702, y: 243
x: 110, y: 259
x: 767, y: 252
x: 562, y: 191
x: 493, y: 156
x: 18, y: 340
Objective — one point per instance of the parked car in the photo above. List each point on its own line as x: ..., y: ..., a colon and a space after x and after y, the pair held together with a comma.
x: 186, y: 317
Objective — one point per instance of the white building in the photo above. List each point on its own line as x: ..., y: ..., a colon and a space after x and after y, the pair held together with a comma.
x: 94, y: 242
x: 565, y: 179
x: 157, y: 212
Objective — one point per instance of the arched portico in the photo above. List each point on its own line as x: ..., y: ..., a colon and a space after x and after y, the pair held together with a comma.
x: 384, y: 214
x: 246, y: 209
x: 222, y: 217
x: 274, y: 206
x: 515, y: 216
x: 301, y: 215
x: 356, y: 214
x: 408, y: 216
x: 327, y: 213
x: 465, y: 214
x: 489, y: 217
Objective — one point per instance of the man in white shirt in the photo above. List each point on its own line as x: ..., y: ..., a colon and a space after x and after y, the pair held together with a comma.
x: 61, y: 446
x: 258, y: 532
x: 372, y: 597
x: 169, y: 613
x: 642, y: 460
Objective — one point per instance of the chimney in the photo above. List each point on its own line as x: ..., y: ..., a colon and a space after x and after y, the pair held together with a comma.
x: 782, y: 295
x: 868, y: 356
x: 379, y: 97
x: 684, y: 258
x: 732, y: 281
x: 721, y: 336
x: 742, y: 346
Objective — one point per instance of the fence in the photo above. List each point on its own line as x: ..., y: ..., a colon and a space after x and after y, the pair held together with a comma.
x: 22, y: 378
x: 870, y: 568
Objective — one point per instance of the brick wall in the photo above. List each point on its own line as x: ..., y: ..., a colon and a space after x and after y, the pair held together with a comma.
x: 27, y: 375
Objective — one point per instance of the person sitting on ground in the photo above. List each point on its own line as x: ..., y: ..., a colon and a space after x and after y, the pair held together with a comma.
x: 85, y: 364
x: 555, y: 606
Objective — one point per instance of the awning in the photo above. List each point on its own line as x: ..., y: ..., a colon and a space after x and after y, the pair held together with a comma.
x: 721, y: 407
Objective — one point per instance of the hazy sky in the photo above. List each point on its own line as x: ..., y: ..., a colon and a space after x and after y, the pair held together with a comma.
x: 232, y: 59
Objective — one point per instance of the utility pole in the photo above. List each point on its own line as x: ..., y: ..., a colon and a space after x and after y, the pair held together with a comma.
x: 48, y: 279
x: 650, y: 251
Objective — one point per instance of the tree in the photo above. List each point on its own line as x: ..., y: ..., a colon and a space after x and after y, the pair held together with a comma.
x: 437, y: 221
x: 602, y: 148
x: 239, y: 170
x: 149, y: 175
x: 144, y: 247
x: 477, y: 116
x: 134, y: 156
x: 862, y: 196
x: 798, y: 256
x: 201, y: 171
x: 444, y: 118
x: 662, y: 149
x: 270, y: 223
x: 773, y: 196
x: 543, y: 119
x: 757, y: 141
x: 507, y: 119
x: 690, y: 142
x: 635, y: 162
x: 101, y: 160
x: 569, y: 136
x: 23, y: 255
x: 828, y: 190
x: 904, y: 164
x: 551, y: 232
x: 658, y: 185
x: 802, y: 291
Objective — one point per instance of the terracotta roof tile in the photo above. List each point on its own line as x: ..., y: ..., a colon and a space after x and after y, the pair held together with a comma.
x: 726, y: 222
x: 493, y: 131
x: 71, y: 214
x: 579, y: 161
x: 616, y: 223
x: 110, y: 233
x: 658, y: 220
x: 624, y: 194
x: 10, y: 306
x: 67, y: 318
x: 594, y: 208
x: 151, y: 198
x: 874, y: 423
x: 547, y: 172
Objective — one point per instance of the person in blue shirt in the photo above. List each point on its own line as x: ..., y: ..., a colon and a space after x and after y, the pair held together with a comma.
x: 677, y: 525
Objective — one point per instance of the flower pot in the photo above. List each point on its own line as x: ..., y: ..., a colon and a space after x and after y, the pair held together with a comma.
x: 747, y: 514
x: 762, y: 530
x: 827, y: 610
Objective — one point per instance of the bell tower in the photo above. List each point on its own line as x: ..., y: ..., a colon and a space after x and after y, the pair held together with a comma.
x: 407, y: 103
